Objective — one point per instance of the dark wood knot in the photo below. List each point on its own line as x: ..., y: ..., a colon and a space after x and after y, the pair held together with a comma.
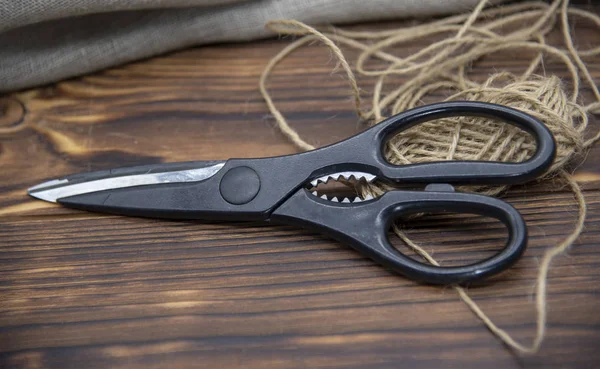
x: 12, y: 112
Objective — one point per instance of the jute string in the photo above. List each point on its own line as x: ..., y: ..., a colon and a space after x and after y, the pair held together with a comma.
x: 444, y: 65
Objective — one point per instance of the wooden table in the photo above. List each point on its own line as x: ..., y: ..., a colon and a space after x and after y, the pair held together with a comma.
x: 84, y: 290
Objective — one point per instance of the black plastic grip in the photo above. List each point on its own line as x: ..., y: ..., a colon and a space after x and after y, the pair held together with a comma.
x: 368, y: 147
x: 365, y: 226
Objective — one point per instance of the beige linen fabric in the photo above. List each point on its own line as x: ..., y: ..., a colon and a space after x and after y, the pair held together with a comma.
x: 43, y: 41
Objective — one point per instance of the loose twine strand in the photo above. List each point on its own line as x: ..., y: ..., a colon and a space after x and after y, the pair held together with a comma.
x: 443, y: 65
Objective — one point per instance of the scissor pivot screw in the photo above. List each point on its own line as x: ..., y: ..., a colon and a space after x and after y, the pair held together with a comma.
x: 239, y: 185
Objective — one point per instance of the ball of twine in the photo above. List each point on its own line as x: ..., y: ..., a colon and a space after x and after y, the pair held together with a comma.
x: 443, y: 65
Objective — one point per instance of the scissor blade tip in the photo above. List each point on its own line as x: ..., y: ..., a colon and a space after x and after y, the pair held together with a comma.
x: 42, y: 195
x: 46, y: 184
x: 40, y: 192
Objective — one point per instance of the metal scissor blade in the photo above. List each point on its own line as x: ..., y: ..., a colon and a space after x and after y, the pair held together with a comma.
x: 87, y: 183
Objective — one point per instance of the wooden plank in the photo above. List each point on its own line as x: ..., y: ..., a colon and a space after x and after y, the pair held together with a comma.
x: 91, y: 290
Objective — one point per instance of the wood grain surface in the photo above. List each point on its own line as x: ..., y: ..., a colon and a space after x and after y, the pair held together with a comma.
x: 84, y: 290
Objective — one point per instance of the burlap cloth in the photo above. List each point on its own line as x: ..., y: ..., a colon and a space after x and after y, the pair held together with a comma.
x: 46, y: 41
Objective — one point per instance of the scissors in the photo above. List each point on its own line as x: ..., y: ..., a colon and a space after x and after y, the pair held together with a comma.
x: 281, y: 189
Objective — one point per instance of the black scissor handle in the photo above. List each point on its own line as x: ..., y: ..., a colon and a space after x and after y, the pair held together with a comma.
x: 424, y: 202
x: 467, y: 172
x: 365, y: 227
